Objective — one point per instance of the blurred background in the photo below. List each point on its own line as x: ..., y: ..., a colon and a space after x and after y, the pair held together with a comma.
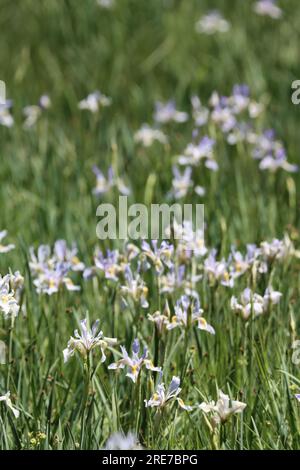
x: 137, y: 52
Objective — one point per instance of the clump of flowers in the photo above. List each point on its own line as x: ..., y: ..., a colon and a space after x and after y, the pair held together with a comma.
x: 94, y: 101
x: 52, y: 270
x: 167, y: 112
x: 112, y: 264
x: 252, y: 303
x: 135, y: 363
x: 196, y: 152
x: 87, y: 340
x: 163, y: 397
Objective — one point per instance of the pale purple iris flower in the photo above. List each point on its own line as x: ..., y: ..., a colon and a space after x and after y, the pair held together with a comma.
x: 185, y: 306
x: 33, y: 112
x: 51, y: 270
x: 163, y: 397
x: 147, y: 135
x: 181, y: 182
x: 212, y: 23
x: 8, y: 303
x: 160, y: 256
x: 94, y: 101
x: 268, y: 8
x: 135, y: 363
x: 167, y: 112
x: 105, y: 184
x: 200, y: 112
x: 134, y: 288
x: 196, y: 152
x: 87, y: 340
x: 218, y: 271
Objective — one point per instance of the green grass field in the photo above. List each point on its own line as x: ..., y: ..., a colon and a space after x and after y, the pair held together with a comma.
x: 139, y: 52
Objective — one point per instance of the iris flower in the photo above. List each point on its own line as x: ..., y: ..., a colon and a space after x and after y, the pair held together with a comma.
x: 6, y: 399
x: 223, y: 409
x: 135, y: 363
x: 162, y: 397
x: 180, y: 319
x: 87, y: 340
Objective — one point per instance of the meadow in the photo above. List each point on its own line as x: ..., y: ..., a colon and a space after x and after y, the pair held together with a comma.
x: 182, y: 343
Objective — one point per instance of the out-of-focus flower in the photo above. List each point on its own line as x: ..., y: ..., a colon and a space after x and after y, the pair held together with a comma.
x: 159, y: 256
x: 6, y: 118
x: 277, y: 249
x: 297, y: 396
x: 239, y: 264
x: 33, y: 113
x: 147, y: 135
x: 8, y: 303
x: 217, y: 271
x: 172, y: 279
x: 200, y: 112
x: 268, y: 8
x: 110, y: 264
x: 135, y: 288
x: 6, y: 399
x: 252, y: 303
x: 103, y: 184
x: 239, y: 100
x: 222, y: 114
x: 52, y: 270
x: 135, y: 363
x: 223, y: 409
x: 88, y: 340
x: 190, y: 242
x: 166, y: 112
x: 211, y: 23
x: 195, y: 153
x: 17, y: 284
x: 120, y: 441
x: 113, y: 263
x: 161, y: 319
x: 249, y: 302
x: 5, y: 248
x: 70, y: 256
x: 94, y: 101
x: 186, y: 307
x: 273, y: 163
x: 181, y: 182
x: 271, y: 297
x: 271, y: 152
x: 163, y: 397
